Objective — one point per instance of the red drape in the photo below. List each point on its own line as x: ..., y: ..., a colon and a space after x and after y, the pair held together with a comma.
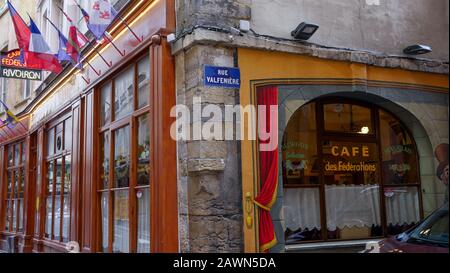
x: 268, y: 166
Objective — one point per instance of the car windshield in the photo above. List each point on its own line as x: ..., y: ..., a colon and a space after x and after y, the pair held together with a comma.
x: 433, y: 231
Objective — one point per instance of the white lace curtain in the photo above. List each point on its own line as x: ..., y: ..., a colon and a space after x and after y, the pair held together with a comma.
x: 348, y: 206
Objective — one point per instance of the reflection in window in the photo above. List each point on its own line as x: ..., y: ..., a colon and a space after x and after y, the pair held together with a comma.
x: 68, y: 134
x: 104, y: 203
x: 347, y: 118
x: 51, y: 142
x: 66, y: 198
x: 143, y: 240
x: 143, y: 82
x: 302, y: 215
x: 402, y: 208
x: 105, y: 102
x: 123, y: 94
x: 122, y: 157
x: 398, y: 152
x: 104, y: 160
x: 299, y: 148
x: 49, y: 200
x: 143, y: 151
x: 121, y: 222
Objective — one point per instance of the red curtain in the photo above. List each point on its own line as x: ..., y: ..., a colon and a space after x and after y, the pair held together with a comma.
x: 268, y: 166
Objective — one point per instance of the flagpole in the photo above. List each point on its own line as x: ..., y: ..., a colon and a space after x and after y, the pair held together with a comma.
x: 131, y: 30
x: 114, y: 45
x: 96, y: 72
x: 101, y: 56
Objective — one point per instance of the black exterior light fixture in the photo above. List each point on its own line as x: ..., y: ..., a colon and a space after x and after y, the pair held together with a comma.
x: 304, y: 31
x: 417, y: 49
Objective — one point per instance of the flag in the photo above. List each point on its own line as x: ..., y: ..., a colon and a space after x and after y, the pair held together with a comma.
x: 22, y: 31
x: 23, y: 34
x: 41, y: 50
x: 81, y: 39
x: 11, y: 120
x: 103, y: 13
x: 62, y: 51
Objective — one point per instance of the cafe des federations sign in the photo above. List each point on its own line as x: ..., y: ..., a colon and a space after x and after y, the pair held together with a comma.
x: 11, y: 67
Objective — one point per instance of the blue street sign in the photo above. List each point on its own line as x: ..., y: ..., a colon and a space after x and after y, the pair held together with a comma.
x: 226, y: 77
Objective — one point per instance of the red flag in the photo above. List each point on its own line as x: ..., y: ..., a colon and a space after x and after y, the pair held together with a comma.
x: 23, y: 33
x: 73, y: 45
x: 33, y: 60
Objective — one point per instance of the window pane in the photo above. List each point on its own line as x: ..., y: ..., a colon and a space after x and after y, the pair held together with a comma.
x: 51, y: 142
x: 299, y: 149
x: 105, y: 102
x: 104, y: 169
x: 143, y: 151
x: 121, y: 222
x: 143, y: 198
x: 16, y: 155
x: 8, y: 214
x: 347, y: 118
x: 353, y: 211
x: 66, y: 201
x: 48, y: 210
x: 122, y: 157
x: 105, y: 212
x: 347, y: 163
x: 68, y: 134
x: 14, y: 215
x: 143, y: 82
x: 20, y: 201
x: 21, y: 182
x: 302, y: 215
x: 402, y: 208
x: 57, y: 209
x: 24, y: 153
x: 10, y: 155
x: 123, y: 95
x: 10, y: 182
x: 398, y: 152
x: 38, y: 201
x: 16, y: 184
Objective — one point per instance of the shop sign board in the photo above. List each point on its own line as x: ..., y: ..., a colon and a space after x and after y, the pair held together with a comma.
x: 225, y: 77
x: 11, y: 67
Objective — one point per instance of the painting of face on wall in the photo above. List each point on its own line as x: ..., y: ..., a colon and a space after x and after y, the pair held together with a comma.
x: 441, y: 153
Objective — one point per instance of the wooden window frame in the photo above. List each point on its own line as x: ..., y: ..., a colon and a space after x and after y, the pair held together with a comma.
x: 53, y: 158
x: 375, y: 138
x: 20, y: 168
x: 132, y: 121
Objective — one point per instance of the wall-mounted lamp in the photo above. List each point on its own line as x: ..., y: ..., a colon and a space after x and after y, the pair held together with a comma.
x: 304, y: 31
x: 417, y: 49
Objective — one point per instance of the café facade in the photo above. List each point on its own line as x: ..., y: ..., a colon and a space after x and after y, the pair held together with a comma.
x: 361, y: 144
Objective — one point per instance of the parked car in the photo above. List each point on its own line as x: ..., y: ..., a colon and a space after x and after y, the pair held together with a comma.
x: 428, y: 236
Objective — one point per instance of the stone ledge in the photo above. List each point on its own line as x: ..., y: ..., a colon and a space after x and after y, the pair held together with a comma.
x: 205, y: 165
x: 208, y: 37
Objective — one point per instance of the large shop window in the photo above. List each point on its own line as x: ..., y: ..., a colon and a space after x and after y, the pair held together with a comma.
x: 15, y: 187
x: 58, y: 181
x: 125, y: 146
x: 350, y: 171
